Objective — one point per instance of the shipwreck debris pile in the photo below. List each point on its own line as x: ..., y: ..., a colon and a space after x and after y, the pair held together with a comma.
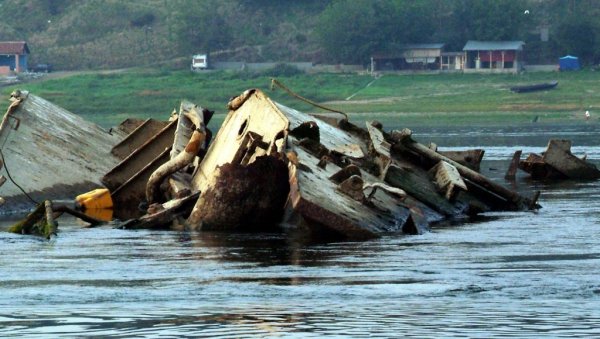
x: 271, y: 166
x: 557, y: 163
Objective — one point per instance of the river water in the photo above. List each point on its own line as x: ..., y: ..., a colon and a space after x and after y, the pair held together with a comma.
x: 517, y: 274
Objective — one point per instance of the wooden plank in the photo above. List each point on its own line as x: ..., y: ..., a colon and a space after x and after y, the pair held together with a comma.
x: 516, y: 201
x: 380, y: 147
x: 141, y: 157
x: 447, y: 179
x: 137, y: 138
x: 514, y: 165
x: 417, y: 184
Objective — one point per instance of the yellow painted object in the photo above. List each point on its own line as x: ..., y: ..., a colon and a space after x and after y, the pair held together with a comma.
x: 95, y: 200
x: 104, y: 214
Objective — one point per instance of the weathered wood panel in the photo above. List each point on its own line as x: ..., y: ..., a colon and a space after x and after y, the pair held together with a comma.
x: 53, y: 154
x: 558, y: 155
x: 141, y: 157
x: 137, y: 138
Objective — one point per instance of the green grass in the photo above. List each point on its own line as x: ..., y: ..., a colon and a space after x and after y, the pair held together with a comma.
x: 430, y: 99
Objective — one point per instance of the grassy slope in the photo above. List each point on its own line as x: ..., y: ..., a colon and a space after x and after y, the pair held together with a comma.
x: 416, y: 99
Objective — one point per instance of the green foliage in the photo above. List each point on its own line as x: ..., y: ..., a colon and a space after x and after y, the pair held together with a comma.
x: 577, y: 38
x: 200, y: 27
x: 102, y: 34
x: 350, y: 30
x: 283, y: 70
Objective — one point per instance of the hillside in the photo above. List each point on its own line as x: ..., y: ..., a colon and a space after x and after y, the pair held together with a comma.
x: 102, y: 34
x: 109, y: 34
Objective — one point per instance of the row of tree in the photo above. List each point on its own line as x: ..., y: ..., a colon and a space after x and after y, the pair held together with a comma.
x: 115, y: 33
x: 351, y: 30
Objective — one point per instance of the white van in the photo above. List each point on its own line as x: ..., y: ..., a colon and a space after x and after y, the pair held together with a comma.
x: 199, y: 62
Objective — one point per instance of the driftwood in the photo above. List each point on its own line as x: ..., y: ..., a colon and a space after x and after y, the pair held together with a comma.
x: 39, y: 222
x: 90, y: 220
x: 163, y: 215
x: 447, y: 179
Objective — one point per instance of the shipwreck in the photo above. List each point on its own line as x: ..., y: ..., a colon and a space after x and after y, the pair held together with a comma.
x: 48, y: 152
x: 273, y: 167
x: 556, y: 163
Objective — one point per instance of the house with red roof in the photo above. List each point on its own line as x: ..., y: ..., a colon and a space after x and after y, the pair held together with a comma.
x: 13, y: 56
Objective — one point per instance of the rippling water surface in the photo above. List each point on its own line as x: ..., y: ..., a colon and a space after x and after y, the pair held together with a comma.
x: 504, y: 274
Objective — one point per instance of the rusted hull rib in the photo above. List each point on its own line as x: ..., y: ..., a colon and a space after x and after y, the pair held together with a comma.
x: 50, y: 153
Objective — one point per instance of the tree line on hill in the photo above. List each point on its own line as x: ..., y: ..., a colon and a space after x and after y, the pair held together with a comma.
x: 74, y: 34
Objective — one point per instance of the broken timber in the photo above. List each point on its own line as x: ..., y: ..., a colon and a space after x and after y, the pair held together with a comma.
x: 557, y: 162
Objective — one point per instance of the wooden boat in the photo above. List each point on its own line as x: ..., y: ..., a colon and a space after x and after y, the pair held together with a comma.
x: 557, y: 162
x: 535, y: 87
x: 49, y: 153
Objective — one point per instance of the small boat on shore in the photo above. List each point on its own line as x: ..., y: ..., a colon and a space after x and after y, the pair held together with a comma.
x: 535, y: 87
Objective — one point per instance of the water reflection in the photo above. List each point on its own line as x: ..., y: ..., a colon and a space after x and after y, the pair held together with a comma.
x: 500, y: 274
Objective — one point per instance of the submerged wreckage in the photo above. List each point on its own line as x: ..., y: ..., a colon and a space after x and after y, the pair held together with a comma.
x: 557, y: 163
x: 268, y: 166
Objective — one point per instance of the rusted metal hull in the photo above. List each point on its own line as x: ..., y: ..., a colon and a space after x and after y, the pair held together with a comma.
x: 50, y: 153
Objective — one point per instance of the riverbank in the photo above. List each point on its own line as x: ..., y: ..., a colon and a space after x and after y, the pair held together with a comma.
x: 418, y: 99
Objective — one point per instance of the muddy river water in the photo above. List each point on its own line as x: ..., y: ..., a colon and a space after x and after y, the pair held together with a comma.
x: 521, y: 274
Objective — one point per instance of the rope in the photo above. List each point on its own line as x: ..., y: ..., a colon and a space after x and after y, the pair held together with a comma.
x: 275, y: 82
x: 13, y: 181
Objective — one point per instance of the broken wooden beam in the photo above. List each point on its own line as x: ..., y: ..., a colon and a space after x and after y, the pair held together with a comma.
x: 516, y: 200
x: 39, y: 222
x: 514, y: 165
x: 380, y: 148
x: 447, y: 179
x: 558, y: 155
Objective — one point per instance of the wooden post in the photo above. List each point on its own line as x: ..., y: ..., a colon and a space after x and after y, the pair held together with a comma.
x: 514, y: 165
x: 50, y: 227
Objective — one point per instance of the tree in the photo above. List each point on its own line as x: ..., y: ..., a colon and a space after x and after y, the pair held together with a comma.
x: 200, y: 27
x: 577, y: 38
x: 489, y: 19
x: 349, y: 30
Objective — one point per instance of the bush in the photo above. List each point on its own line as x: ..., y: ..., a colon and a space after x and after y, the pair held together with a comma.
x: 283, y: 70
